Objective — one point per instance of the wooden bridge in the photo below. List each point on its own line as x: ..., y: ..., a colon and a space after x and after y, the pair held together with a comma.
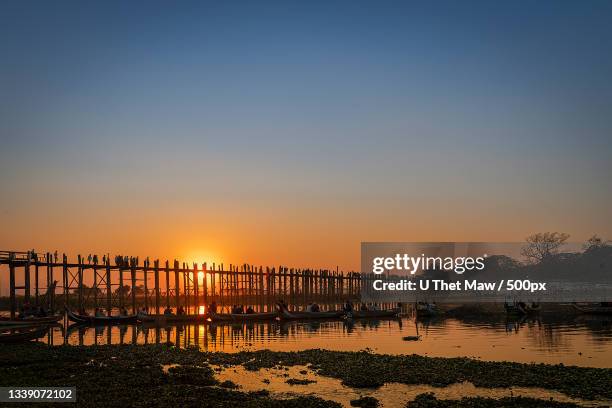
x: 87, y: 283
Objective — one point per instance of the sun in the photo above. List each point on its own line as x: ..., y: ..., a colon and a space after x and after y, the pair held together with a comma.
x: 201, y: 256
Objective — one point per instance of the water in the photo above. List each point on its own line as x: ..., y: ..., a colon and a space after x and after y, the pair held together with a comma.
x: 390, y: 395
x: 552, y: 338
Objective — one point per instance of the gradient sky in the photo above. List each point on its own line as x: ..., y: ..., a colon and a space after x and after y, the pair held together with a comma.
x: 288, y: 132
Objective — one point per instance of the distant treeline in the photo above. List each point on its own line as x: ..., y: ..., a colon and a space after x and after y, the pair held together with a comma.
x: 544, y: 260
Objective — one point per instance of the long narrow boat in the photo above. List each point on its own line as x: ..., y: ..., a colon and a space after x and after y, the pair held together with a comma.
x: 365, y: 314
x: 30, y: 321
x: 170, y: 318
x: 600, y: 309
x: 242, y: 317
x: 423, y: 309
x: 23, y: 335
x: 86, y: 319
x: 521, y: 309
x: 288, y: 315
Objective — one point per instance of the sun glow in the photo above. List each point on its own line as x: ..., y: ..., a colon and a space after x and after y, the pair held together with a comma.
x: 203, y: 257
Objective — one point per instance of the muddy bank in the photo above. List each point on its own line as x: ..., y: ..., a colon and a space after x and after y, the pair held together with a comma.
x: 429, y: 401
x: 364, y: 369
x: 132, y: 376
x: 161, y: 375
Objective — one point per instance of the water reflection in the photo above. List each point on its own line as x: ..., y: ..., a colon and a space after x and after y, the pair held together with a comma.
x: 549, y: 338
x: 390, y: 395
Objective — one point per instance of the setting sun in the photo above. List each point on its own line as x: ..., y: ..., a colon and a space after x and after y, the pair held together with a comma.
x: 201, y: 257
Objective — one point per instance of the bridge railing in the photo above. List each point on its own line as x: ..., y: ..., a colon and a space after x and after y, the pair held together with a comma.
x: 22, y: 256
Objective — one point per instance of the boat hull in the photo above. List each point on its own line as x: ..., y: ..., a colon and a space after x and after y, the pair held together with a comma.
x: 370, y: 314
x: 34, y: 321
x: 287, y: 315
x: 518, y: 310
x: 100, y: 320
x: 167, y: 319
x: 23, y: 336
x: 243, y: 317
x: 599, y: 310
x: 426, y: 310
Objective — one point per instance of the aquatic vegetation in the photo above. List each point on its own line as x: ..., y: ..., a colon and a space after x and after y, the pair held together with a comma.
x: 115, y: 376
x: 430, y: 401
x: 365, y: 402
x: 190, y: 375
x: 158, y: 375
x: 297, y: 381
x: 581, y: 382
x: 229, y: 384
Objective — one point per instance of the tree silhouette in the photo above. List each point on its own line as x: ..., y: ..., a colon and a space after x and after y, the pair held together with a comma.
x: 543, y: 245
x: 594, y: 243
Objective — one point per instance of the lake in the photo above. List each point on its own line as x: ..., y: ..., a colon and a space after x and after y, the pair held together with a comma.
x: 552, y: 338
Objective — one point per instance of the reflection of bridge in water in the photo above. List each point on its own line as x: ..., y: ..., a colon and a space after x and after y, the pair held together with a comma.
x: 553, y: 338
x: 209, y: 336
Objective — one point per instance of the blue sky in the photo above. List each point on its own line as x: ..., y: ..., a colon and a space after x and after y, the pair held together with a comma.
x: 377, y: 121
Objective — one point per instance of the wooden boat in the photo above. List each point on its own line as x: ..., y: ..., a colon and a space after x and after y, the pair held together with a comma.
x: 423, y: 309
x: 243, y: 317
x: 170, y: 318
x: 76, y: 326
x: 86, y: 319
x: 23, y: 335
x: 411, y: 338
x: 521, y: 308
x: 365, y: 314
x: 604, y: 308
x: 30, y: 321
x: 288, y: 315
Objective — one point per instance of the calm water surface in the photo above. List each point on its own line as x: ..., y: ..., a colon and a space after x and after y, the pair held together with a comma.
x: 571, y: 340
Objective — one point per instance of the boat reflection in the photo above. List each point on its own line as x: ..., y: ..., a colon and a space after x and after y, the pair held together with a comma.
x: 213, y: 333
x: 547, y: 338
x: 21, y: 334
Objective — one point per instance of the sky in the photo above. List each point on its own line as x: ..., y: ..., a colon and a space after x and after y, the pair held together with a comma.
x: 285, y: 132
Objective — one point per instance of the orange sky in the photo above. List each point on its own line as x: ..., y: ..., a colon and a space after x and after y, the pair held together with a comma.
x: 304, y: 234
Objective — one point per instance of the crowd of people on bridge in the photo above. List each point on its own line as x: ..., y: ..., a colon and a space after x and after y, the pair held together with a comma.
x: 120, y: 260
